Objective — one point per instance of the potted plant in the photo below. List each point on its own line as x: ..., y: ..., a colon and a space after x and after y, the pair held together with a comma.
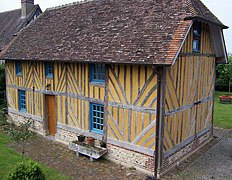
x: 103, y: 144
x: 227, y: 99
x: 90, y: 141
x: 81, y: 138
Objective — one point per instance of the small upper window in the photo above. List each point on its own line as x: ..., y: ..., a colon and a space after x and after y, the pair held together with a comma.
x: 49, y: 70
x: 18, y: 68
x: 22, y: 100
x: 197, y: 37
x: 97, y: 73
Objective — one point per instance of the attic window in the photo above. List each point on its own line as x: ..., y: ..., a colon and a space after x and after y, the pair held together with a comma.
x: 49, y: 70
x: 97, y: 73
x: 18, y: 68
x: 197, y: 37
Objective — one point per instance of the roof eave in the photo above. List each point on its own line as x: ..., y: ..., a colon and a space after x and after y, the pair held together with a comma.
x: 182, y: 43
x: 206, y: 20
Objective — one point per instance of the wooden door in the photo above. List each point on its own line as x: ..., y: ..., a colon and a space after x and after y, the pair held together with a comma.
x: 51, y: 116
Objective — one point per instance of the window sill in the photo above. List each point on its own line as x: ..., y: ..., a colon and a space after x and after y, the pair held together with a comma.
x: 96, y: 132
x: 49, y: 77
x: 19, y: 75
x: 95, y: 135
x: 196, y: 52
x: 100, y: 84
x: 23, y: 110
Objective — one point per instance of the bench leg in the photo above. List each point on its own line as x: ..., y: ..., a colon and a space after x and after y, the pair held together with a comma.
x: 91, y: 159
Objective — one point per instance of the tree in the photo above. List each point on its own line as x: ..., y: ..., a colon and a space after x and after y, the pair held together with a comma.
x: 224, y: 75
x: 20, y: 134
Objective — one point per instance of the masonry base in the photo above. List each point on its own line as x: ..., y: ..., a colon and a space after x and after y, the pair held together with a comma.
x: 129, y: 158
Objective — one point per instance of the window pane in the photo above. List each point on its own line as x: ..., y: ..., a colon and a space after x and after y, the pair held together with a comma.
x: 98, y: 72
x: 97, y: 117
x: 22, y: 100
x: 196, y: 45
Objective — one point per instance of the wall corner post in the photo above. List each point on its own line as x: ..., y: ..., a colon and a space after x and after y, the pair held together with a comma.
x: 161, y: 73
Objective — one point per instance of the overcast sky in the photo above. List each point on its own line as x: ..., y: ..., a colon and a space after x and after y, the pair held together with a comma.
x: 221, y: 8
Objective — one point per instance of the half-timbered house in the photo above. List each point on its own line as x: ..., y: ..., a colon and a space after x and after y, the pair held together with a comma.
x: 138, y: 74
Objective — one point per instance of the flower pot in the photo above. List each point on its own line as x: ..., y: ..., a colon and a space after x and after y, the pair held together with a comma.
x: 102, y: 144
x: 81, y: 138
x: 225, y: 99
x: 90, y: 141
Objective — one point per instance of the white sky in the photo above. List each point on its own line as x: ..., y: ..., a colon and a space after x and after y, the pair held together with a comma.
x: 221, y: 8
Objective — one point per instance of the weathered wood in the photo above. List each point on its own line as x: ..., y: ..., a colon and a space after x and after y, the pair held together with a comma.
x: 106, y: 97
x: 132, y: 147
x: 189, y: 97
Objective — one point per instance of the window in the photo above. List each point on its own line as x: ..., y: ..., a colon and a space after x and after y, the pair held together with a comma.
x: 197, y: 37
x: 97, y: 117
x: 97, y: 73
x: 49, y: 70
x: 18, y: 68
x: 22, y: 100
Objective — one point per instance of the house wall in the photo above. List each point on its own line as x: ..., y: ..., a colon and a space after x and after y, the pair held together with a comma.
x: 189, y: 99
x: 131, y: 99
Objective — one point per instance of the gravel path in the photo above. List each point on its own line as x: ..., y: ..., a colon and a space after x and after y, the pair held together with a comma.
x: 214, y: 164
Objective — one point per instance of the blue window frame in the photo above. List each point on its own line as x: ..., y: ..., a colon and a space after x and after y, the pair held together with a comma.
x: 97, y: 73
x: 18, y: 68
x: 197, y: 37
x: 49, y: 70
x: 22, y: 100
x: 97, y: 117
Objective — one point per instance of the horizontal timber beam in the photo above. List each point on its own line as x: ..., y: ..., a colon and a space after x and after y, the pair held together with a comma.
x: 186, y: 142
x: 77, y: 96
x: 130, y: 146
x: 183, y: 108
x: 14, y: 111
x: 197, y: 54
x: 79, y: 131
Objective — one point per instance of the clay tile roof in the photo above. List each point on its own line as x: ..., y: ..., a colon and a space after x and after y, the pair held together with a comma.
x: 199, y: 10
x: 10, y: 23
x: 109, y: 31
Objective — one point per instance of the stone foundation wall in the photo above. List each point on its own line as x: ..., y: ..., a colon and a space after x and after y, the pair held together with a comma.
x: 65, y: 136
x: 185, y: 152
x: 117, y: 154
x: 37, y: 126
x: 137, y: 160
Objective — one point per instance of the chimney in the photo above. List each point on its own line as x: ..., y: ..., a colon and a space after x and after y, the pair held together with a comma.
x: 26, y: 7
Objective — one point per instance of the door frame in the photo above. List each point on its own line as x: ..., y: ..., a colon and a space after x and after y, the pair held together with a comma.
x: 45, y: 119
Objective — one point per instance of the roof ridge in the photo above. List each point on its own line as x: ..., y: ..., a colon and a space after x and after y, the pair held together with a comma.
x: 211, y: 12
x: 69, y: 4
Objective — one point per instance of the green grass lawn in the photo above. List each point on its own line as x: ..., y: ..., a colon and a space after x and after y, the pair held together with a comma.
x: 9, y: 158
x: 222, y: 112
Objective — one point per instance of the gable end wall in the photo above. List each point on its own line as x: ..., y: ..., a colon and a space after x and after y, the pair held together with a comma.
x: 189, y: 100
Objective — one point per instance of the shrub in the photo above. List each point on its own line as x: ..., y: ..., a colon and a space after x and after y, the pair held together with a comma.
x: 224, y: 76
x: 28, y: 170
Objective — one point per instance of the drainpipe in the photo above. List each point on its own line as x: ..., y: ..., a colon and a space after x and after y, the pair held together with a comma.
x: 159, y: 119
